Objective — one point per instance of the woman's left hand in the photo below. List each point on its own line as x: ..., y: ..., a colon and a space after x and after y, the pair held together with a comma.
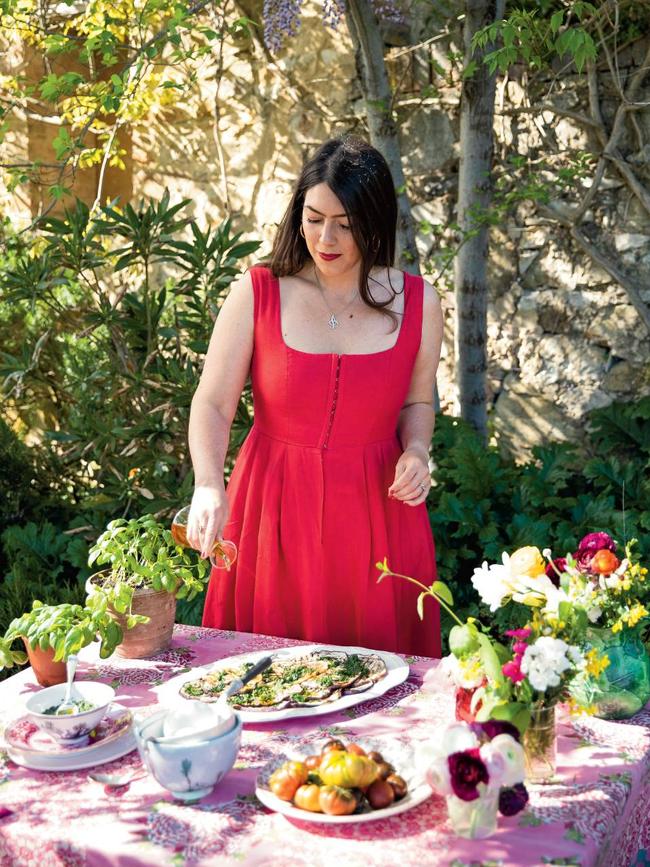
x: 412, y: 479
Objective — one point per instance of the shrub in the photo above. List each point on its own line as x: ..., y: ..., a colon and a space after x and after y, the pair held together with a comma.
x: 482, y: 503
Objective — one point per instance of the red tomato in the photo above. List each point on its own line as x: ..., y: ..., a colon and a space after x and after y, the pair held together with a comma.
x: 337, y: 801
x: 285, y: 781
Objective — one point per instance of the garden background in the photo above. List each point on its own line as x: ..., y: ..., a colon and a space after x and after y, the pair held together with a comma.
x: 148, y: 150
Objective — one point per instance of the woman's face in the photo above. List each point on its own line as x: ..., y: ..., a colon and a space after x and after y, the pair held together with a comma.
x: 327, y: 232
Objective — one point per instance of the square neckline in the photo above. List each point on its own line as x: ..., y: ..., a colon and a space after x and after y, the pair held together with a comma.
x: 276, y: 281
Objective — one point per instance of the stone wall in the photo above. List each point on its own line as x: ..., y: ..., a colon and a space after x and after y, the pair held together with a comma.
x: 563, y: 337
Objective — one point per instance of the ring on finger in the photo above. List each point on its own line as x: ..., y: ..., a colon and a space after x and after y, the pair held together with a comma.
x: 423, y: 487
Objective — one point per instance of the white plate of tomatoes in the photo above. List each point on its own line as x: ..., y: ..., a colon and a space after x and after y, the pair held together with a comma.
x: 344, y: 783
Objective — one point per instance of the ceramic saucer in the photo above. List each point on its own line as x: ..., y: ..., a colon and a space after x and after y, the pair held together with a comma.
x: 23, y: 735
x: 71, y: 760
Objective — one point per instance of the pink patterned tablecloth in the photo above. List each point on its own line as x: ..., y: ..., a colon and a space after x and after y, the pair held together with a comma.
x: 596, y: 814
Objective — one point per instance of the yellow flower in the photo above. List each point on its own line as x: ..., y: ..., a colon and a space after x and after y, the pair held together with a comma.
x: 637, y: 612
x: 576, y: 709
x: 617, y: 627
x: 595, y: 665
x: 527, y: 561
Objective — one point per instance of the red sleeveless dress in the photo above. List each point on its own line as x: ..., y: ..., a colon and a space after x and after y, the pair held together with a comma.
x: 310, y: 511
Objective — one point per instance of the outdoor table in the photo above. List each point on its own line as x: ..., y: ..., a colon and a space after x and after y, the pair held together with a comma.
x: 596, y: 814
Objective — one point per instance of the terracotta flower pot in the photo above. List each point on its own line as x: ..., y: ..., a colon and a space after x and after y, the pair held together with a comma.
x: 145, y: 639
x: 46, y: 671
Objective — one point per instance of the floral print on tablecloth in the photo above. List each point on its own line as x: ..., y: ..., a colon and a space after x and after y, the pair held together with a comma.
x: 595, y: 815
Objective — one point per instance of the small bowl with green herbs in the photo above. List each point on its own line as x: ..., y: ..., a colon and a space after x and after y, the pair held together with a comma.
x: 72, y: 727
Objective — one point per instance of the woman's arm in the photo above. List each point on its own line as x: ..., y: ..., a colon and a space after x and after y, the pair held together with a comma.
x: 226, y: 368
x: 416, y: 420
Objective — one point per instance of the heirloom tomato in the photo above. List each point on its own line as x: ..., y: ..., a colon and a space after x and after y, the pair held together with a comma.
x: 308, y: 798
x: 398, y: 784
x: 339, y: 768
x: 285, y: 781
x: 312, y: 762
x: 380, y: 794
x: 333, y: 744
x: 337, y: 801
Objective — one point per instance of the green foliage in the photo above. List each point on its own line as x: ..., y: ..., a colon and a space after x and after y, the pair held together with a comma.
x: 20, y: 491
x: 65, y: 628
x: 142, y: 553
x: 100, y: 355
x: 109, y: 349
x: 539, y: 34
x: 482, y: 503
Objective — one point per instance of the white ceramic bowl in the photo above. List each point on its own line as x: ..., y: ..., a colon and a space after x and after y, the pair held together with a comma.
x: 72, y: 730
x: 190, y: 768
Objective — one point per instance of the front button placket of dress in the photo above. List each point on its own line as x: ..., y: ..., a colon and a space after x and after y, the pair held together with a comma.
x: 334, y: 401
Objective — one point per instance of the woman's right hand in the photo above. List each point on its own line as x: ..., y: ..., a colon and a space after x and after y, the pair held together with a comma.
x: 209, y: 512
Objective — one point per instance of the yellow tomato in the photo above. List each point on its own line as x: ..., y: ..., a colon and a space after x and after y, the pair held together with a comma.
x: 308, y: 798
x: 347, y: 769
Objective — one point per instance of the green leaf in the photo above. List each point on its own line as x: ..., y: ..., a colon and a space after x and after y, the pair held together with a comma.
x: 441, y: 590
x: 489, y: 659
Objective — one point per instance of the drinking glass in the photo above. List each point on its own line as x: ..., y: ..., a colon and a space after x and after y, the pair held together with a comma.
x: 224, y: 552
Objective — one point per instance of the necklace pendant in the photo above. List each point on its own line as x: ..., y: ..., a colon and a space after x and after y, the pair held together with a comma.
x: 333, y: 322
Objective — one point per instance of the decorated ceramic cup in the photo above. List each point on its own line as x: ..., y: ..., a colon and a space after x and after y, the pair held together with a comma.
x: 73, y: 729
x: 188, y: 767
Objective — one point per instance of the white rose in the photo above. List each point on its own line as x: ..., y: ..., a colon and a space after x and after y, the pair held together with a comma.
x: 512, y: 753
x: 492, y: 583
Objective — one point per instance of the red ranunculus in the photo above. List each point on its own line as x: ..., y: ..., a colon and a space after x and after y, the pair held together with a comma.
x: 512, y: 800
x: 485, y: 731
x: 593, y: 542
x: 467, y: 770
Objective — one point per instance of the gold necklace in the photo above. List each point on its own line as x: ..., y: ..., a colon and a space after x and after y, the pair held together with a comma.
x: 333, y: 322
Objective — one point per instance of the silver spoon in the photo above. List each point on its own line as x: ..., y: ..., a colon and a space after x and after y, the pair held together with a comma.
x: 116, y: 781
x: 222, y: 701
x: 67, y: 706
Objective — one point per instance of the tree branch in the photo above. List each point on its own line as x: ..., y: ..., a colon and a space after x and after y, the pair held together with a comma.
x: 631, y: 287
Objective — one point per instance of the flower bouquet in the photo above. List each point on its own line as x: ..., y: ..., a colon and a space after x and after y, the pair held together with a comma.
x: 479, y: 768
x: 525, y: 682
x: 614, y: 591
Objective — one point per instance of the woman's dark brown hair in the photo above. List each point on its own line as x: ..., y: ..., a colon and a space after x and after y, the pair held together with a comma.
x: 359, y: 177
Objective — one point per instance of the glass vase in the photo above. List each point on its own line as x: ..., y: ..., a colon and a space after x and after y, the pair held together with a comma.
x: 540, y: 744
x: 464, y: 712
x: 474, y: 819
x: 623, y: 688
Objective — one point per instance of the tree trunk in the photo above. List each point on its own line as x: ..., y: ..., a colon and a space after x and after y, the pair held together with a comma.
x: 474, y: 197
x: 369, y: 47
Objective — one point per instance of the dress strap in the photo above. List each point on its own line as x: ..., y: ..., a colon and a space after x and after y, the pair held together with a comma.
x: 411, y: 331
x: 266, y: 300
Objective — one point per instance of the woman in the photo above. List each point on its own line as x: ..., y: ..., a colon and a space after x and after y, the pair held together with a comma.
x: 342, y: 350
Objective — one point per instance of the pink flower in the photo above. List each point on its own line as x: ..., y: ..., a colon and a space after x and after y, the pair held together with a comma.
x: 593, y: 542
x: 589, y: 545
x: 520, y: 647
x: 512, y: 670
x: 523, y: 633
x: 466, y: 770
